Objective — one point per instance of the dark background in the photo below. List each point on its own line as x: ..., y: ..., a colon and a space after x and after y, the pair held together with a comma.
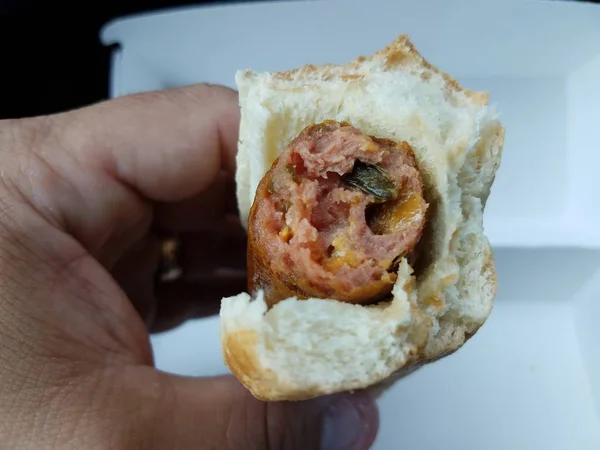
x: 51, y: 58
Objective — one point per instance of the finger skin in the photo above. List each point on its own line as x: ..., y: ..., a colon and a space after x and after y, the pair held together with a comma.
x: 218, y: 413
x: 76, y: 369
x: 213, y: 267
x: 181, y: 300
x: 168, y: 145
x: 96, y: 172
x: 203, y: 253
x: 195, y: 213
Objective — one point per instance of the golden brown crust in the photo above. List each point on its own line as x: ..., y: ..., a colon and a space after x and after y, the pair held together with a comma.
x: 240, y: 355
x: 398, y: 55
x: 402, y: 52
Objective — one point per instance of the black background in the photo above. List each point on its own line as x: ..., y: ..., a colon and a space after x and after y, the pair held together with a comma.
x: 51, y: 58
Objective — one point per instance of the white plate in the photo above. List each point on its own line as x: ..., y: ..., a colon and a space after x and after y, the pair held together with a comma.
x: 531, y: 377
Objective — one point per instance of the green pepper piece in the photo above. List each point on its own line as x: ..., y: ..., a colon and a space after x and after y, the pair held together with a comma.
x: 372, y: 180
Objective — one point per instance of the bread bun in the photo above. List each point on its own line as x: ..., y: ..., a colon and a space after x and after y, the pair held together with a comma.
x: 300, y: 349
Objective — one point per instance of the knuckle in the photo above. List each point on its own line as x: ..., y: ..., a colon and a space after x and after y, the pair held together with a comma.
x: 291, y: 426
x: 244, y: 425
x: 255, y: 425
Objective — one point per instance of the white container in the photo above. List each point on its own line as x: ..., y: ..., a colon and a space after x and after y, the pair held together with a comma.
x: 530, y: 378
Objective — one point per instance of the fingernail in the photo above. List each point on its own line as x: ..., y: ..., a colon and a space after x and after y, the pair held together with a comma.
x: 350, y: 423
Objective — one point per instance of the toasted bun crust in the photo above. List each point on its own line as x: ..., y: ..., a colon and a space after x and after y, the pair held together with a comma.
x: 305, y: 348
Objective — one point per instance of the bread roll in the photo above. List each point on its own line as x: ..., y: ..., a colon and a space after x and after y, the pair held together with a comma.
x: 291, y: 338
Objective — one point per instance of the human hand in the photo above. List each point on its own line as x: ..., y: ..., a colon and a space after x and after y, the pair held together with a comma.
x: 84, y: 196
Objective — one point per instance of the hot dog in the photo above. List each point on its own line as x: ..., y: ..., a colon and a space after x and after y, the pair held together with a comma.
x: 363, y: 188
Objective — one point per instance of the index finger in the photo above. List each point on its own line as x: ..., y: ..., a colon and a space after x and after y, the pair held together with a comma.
x: 168, y: 145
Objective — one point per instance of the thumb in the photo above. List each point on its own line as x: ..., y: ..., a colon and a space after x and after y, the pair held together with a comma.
x: 218, y: 413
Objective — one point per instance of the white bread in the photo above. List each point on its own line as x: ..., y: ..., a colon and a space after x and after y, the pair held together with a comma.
x: 306, y: 348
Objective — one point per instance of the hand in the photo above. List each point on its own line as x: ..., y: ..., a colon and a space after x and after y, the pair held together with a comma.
x: 84, y: 197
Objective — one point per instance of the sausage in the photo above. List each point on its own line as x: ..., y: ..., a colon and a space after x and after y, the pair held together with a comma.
x: 334, y: 215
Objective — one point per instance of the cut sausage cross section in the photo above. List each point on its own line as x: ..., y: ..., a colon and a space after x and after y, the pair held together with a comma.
x: 333, y: 216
